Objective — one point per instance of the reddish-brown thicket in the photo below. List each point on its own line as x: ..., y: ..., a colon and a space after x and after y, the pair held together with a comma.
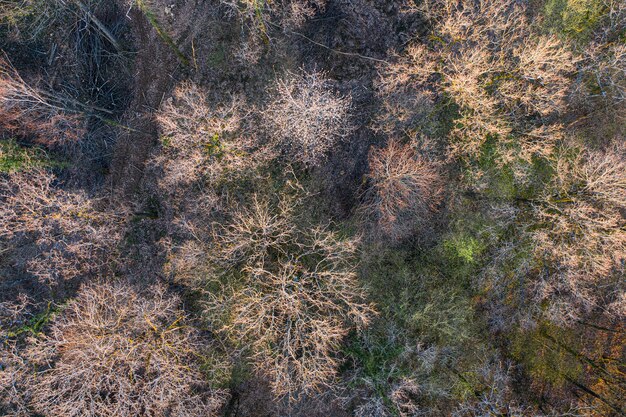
x: 58, y: 234
x: 34, y: 113
x: 583, y: 235
x: 406, y: 189
x: 307, y: 118
x: 294, y: 298
x: 116, y: 352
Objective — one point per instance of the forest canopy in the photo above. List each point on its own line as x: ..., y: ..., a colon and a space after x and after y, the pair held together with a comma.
x: 332, y: 208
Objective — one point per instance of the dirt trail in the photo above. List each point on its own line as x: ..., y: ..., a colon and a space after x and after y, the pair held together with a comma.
x: 154, y: 65
x: 158, y: 66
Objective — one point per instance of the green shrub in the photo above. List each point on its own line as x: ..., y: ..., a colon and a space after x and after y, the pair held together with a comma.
x: 464, y: 249
x: 575, y: 19
x: 544, y: 354
x: 444, y: 316
x: 14, y: 158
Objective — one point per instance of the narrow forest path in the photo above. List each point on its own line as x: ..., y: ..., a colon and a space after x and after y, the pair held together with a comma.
x: 155, y: 63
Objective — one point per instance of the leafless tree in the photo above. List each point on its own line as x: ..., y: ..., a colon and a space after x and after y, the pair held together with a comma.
x: 583, y: 235
x: 206, y: 153
x: 297, y: 298
x: 60, y: 233
x: 262, y: 14
x: 306, y: 118
x: 604, y: 59
x: 203, y: 143
x: 406, y: 103
x: 390, y: 393
x: 114, y: 351
x: 254, y: 232
x: 506, y: 80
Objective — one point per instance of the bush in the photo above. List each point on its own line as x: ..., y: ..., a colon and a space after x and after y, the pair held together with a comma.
x: 114, y: 351
x: 406, y: 189
x: 307, y: 118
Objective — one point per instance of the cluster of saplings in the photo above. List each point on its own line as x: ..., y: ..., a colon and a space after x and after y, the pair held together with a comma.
x: 436, y: 227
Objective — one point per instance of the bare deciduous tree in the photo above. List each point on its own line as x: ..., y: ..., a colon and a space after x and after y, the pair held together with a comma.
x: 583, y: 235
x: 201, y: 142
x: 405, y: 108
x: 605, y: 59
x: 60, y: 233
x: 307, y: 118
x: 15, y: 382
x: 114, y: 351
x: 286, y: 13
x: 255, y: 232
x: 207, y: 153
x: 261, y: 20
x: 506, y: 80
x: 296, y: 298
